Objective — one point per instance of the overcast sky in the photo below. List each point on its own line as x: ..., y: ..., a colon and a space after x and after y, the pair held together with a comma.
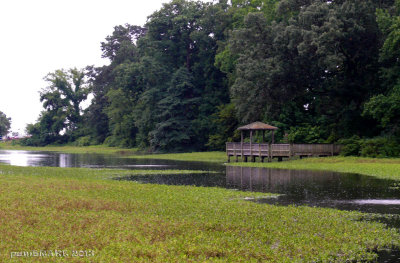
x: 38, y: 37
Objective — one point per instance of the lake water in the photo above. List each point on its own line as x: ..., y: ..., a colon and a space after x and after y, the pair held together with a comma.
x: 296, y: 187
x: 55, y: 159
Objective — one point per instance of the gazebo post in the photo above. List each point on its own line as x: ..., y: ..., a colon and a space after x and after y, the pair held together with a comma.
x: 241, y: 143
x: 251, y: 141
x: 272, y: 139
x: 263, y: 137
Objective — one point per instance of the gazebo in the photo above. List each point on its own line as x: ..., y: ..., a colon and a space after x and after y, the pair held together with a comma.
x: 271, y: 150
x: 252, y: 149
x: 257, y: 126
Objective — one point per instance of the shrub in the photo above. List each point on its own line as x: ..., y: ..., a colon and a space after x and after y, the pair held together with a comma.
x: 83, y: 141
x: 305, y: 134
x: 391, y: 148
x: 216, y: 142
x: 371, y: 147
x: 380, y: 147
x: 374, y: 147
x: 351, y: 146
x: 111, y: 141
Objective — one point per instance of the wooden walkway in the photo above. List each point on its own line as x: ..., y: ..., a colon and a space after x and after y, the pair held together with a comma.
x: 269, y: 151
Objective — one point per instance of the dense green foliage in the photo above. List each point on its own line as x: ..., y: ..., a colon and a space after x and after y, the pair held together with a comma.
x: 375, y: 147
x: 48, y: 209
x: 319, y: 70
x: 61, y: 100
x: 5, y: 124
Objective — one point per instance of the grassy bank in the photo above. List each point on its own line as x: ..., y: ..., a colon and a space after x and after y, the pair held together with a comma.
x: 382, y: 168
x: 100, y: 149
x: 218, y: 157
x: 69, y: 209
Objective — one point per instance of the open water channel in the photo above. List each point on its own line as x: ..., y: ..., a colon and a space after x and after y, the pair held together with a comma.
x: 296, y: 187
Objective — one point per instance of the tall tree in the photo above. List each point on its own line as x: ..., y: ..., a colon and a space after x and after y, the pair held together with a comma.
x: 174, y: 129
x: 385, y: 107
x: 47, y: 129
x: 120, y: 48
x: 5, y: 124
x: 96, y: 119
x: 122, y: 97
x: 309, y: 68
x: 155, y: 77
x: 226, y: 58
x: 185, y: 34
x: 62, y: 99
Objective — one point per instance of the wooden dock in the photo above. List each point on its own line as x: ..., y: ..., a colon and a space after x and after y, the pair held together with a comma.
x: 280, y: 151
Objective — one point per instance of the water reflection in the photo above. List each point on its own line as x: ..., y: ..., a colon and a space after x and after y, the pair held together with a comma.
x: 297, y: 187
x: 194, y: 179
x: 377, y: 202
x: 54, y: 159
x: 20, y: 158
x: 318, y: 188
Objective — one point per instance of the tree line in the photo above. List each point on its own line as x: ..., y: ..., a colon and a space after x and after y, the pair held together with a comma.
x: 321, y: 71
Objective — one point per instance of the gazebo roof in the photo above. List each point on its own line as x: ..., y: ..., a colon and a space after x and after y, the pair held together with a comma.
x: 257, y: 126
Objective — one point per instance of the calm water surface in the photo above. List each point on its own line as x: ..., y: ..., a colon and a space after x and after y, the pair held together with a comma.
x: 55, y: 159
x: 298, y: 187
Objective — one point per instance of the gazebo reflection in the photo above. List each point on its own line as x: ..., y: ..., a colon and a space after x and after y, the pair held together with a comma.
x: 273, y: 180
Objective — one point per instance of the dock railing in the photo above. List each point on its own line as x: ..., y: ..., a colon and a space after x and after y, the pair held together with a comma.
x: 269, y: 151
